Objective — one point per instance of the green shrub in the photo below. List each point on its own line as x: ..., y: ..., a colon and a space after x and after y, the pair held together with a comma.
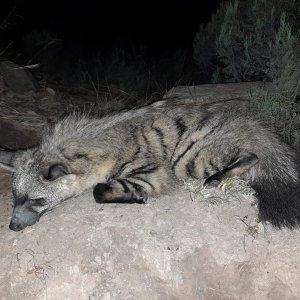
x: 247, y: 40
x: 278, y: 103
x: 258, y: 40
x: 253, y: 41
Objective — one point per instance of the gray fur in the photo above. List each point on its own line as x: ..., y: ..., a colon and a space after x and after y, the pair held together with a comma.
x: 129, y: 156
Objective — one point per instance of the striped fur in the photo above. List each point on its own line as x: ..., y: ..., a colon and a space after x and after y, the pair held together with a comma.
x: 133, y: 155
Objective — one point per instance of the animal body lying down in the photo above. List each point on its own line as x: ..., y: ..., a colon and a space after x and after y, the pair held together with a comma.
x: 129, y: 156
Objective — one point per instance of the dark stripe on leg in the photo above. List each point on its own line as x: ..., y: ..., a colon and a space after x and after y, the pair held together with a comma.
x: 146, y: 169
x: 161, y: 139
x: 191, y: 169
x: 135, y: 186
x: 181, y: 127
x: 145, y: 181
x: 182, y: 154
x: 146, y: 140
x: 124, y: 185
x: 123, y: 166
x: 245, y: 161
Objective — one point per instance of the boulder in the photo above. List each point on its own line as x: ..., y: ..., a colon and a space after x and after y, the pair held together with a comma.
x: 17, y: 78
x: 14, y: 136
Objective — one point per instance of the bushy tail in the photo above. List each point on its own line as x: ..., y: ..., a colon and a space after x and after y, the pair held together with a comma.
x: 277, y: 184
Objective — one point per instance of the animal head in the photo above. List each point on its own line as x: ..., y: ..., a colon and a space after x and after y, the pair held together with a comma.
x: 73, y: 156
x: 38, y: 185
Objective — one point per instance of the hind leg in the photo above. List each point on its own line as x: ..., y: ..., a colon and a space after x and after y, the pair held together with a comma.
x: 243, y: 163
x: 212, y: 165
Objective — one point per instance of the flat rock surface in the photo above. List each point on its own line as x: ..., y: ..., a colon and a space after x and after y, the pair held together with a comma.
x: 175, y: 247
x: 215, y: 92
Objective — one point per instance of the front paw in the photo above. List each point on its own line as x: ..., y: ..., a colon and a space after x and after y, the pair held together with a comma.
x: 102, y: 192
x: 112, y: 193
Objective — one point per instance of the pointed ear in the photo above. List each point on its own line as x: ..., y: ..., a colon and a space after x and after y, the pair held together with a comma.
x: 55, y: 171
x: 6, y: 158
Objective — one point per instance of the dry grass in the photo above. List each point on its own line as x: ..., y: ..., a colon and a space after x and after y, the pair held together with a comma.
x: 35, y: 109
x: 12, y: 112
x: 228, y: 189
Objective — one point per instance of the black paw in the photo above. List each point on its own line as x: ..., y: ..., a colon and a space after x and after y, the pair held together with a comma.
x: 139, y: 197
x: 106, y: 193
x: 99, y: 192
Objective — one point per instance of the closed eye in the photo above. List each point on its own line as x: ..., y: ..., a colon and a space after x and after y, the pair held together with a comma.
x: 38, y: 202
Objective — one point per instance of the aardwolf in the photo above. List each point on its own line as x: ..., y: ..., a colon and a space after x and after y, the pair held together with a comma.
x: 128, y: 156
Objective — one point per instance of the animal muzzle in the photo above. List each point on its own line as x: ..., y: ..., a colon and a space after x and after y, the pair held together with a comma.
x: 22, y: 218
x: 15, y: 226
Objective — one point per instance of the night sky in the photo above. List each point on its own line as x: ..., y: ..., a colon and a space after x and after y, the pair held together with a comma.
x: 98, y: 24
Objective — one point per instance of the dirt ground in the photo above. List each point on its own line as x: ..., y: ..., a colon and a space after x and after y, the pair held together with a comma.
x: 180, y: 246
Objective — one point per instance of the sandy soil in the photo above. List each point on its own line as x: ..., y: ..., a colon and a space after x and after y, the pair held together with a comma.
x: 180, y: 246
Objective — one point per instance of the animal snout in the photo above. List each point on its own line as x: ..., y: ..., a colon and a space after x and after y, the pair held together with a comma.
x: 15, y: 226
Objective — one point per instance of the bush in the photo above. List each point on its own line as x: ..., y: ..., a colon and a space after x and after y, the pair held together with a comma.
x: 253, y: 40
x: 258, y: 40
x: 278, y: 103
x: 246, y: 41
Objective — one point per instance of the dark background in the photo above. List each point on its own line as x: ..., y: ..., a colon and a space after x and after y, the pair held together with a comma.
x: 155, y: 37
x: 162, y: 24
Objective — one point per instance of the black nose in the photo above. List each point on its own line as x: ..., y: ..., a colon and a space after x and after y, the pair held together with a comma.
x: 15, y: 226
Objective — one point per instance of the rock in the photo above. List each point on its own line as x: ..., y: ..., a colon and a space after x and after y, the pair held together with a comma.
x: 50, y: 91
x: 171, y: 248
x: 214, y: 92
x: 17, y: 78
x: 13, y: 136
